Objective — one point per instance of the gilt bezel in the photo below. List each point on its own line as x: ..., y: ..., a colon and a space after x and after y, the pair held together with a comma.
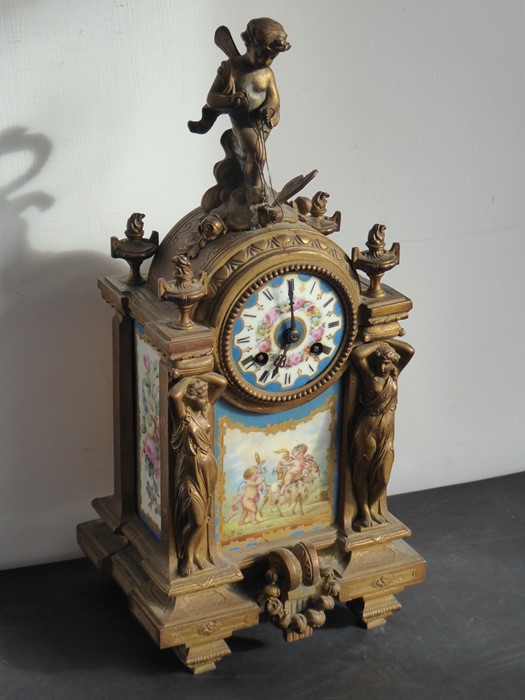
x: 246, y: 396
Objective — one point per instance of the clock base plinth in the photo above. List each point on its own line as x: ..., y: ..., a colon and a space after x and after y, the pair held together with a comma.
x: 192, y: 620
x: 205, y: 609
x: 99, y: 543
x: 167, y: 579
x: 378, y: 569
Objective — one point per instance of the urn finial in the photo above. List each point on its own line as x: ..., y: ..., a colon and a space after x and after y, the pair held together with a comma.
x: 134, y: 249
x: 376, y: 261
x: 183, y: 290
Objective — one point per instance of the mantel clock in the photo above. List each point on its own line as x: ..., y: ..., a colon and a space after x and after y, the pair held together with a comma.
x: 255, y: 386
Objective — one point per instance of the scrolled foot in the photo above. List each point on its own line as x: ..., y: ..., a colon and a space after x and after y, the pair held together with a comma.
x: 373, y: 612
x: 202, y: 658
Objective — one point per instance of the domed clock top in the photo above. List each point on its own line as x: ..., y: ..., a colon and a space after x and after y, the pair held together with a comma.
x: 283, y: 301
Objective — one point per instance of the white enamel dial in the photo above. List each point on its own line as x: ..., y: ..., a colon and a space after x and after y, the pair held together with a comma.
x: 287, y: 333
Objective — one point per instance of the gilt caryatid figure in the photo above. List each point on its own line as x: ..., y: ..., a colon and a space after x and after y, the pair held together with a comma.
x: 195, y: 474
x: 378, y: 366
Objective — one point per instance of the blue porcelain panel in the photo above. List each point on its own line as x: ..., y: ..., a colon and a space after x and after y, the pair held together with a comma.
x: 278, y: 473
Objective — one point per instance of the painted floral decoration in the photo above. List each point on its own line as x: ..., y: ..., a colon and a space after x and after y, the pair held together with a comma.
x: 315, y: 324
x: 149, y: 431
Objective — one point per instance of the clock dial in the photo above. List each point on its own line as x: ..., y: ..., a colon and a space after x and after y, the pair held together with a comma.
x: 288, y: 334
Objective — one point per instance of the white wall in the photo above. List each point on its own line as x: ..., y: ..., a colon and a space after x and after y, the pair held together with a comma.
x: 413, y: 112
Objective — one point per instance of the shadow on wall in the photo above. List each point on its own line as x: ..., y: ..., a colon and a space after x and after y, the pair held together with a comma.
x: 55, y: 403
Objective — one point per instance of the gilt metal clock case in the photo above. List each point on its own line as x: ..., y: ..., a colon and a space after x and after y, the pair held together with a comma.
x: 255, y: 386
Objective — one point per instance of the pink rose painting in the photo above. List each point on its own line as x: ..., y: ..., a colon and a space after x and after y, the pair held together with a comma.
x: 295, y: 359
x: 148, y: 438
x: 264, y: 345
x: 271, y: 316
x: 317, y: 333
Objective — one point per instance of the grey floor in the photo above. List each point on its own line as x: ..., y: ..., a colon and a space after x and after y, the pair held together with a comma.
x: 66, y: 632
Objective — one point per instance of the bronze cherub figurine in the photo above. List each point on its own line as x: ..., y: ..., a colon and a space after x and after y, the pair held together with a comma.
x: 245, y: 89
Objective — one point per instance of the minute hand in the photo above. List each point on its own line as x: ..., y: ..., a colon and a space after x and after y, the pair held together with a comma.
x: 292, y: 335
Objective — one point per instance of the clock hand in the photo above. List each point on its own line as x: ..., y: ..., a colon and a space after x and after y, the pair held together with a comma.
x: 292, y: 334
x: 280, y: 360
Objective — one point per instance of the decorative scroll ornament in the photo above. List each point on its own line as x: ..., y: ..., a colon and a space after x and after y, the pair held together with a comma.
x: 298, y: 571
x: 377, y: 260
x: 210, y: 228
x: 134, y: 249
x: 184, y: 291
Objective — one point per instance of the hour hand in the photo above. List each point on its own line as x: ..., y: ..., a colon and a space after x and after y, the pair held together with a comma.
x: 280, y: 361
